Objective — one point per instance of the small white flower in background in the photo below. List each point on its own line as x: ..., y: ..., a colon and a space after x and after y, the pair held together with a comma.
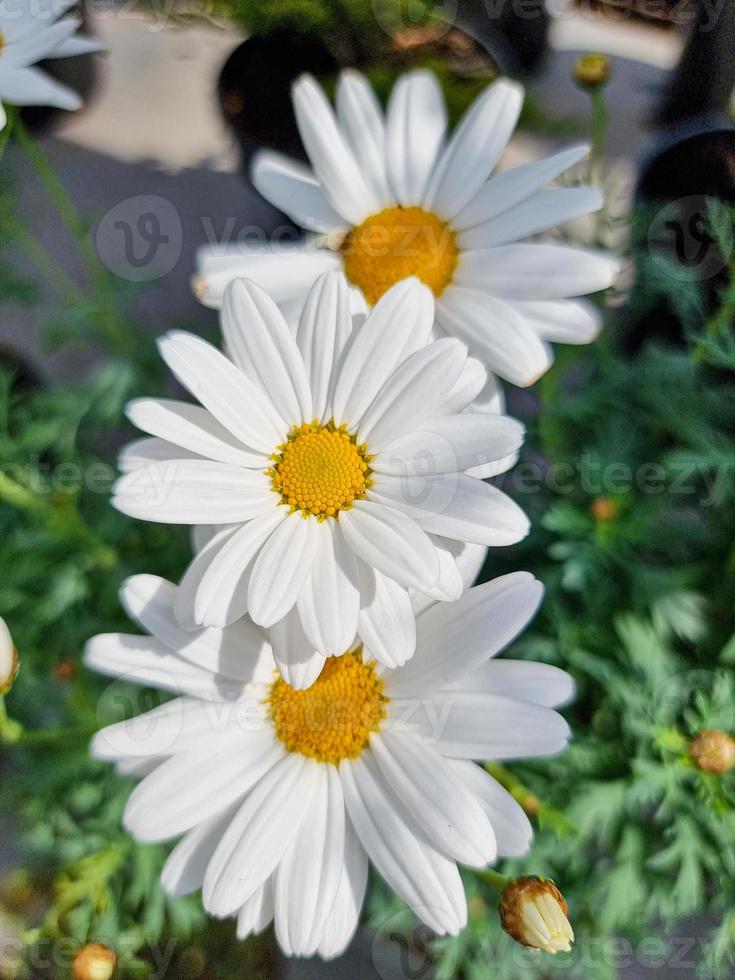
x: 283, y: 796
x: 8, y: 658
x: 334, y: 462
x: 30, y: 31
x: 397, y: 199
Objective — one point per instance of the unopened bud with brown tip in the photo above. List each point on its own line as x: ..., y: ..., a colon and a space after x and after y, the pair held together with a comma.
x: 713, y: 751
x: 94, y: 962
x: 592, y: 71
x: 534, y: 913
x: 604, y: 509
x: 9, y: 663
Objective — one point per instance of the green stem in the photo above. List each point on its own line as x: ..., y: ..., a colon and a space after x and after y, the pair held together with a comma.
x: 44, y: 261
x: 533, y: 806
x: 112, y: 327
x: 599, y: 133
x: 494, y: 878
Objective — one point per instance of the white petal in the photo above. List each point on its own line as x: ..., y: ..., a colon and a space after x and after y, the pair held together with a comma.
x: 495, y: 332
x: 38, y: 44
x: 505, y: 190
x: 414, y: 392
x: 75, y: 46
x: 222, y: 595
x: 439, y: 802
x: 564, y: 321
x: 399, y: 325
x: 540, y: 212
x: 513, y: 830
x: 424, y: 878
x: 193, y: 428
x: 474, y: 149
x: 450, y: 445
x: 263, y: 347
x: 343, y: 919
x: 207, y: 543
x: 183, y: 872
x: 240, y: 652
x: 143, y: 452
x: 456, y: 638
x: 298, y: 662
x: 536, y: 271
x: 281, y: 569
x: 257, y: 912
x: 324, y: 328
x: 538, y: 683
x: 293, y: 189
x: 307, y: 878
x: 331, y: 157
x: 416, y: 124
x: 467, y: 388
x: 387, y: 624
x: 329, y: 604
x: 192, y: 786
x: 390, y: 542
x: 194, y: 491
x: 454, y: 505
x: 467, y: 560
x: 29, y: 86
x: 361, y: 120
x: 259, y: 835
x: 286, y: 270
x: 222, y: 388
x: 179, y: 725
x: 491, y: 726
x: 147, y: 662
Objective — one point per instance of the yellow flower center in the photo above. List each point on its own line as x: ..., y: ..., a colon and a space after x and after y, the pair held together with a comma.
x: 332, y: 720
x: 320, y: 469
x: 2, y: 42
x: 395, y: 244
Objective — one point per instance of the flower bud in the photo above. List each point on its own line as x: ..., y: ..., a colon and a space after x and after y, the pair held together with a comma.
x: 604, y: 509
x: 9, y: 663
x: 534, y: 913
x: 94, y: 962
x: 713, y: 751
x: 592, y: 71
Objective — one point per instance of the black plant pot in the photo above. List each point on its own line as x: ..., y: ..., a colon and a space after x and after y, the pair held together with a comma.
x: 255, y: 89
x: 677, y: 191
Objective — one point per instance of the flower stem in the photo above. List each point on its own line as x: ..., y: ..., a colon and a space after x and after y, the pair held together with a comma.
x: 494, y: 878
x: 113, y: 328
x: 533, y: 806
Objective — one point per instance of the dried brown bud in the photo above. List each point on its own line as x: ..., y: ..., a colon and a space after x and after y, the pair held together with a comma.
x: 66, y: 669
x: 94, y: 962
x: 534, y: 913
x: 604, y: 509
x: 713, y: 751
x: 592, y: 71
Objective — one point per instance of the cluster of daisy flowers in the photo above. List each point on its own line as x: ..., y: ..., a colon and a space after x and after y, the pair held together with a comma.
x: 334, y: 668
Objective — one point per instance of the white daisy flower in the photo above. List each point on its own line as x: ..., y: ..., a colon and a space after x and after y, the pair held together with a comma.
x: 283, y: 796
x: 395, y: 198
x: 334, y: 462
x: 30, y: 32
